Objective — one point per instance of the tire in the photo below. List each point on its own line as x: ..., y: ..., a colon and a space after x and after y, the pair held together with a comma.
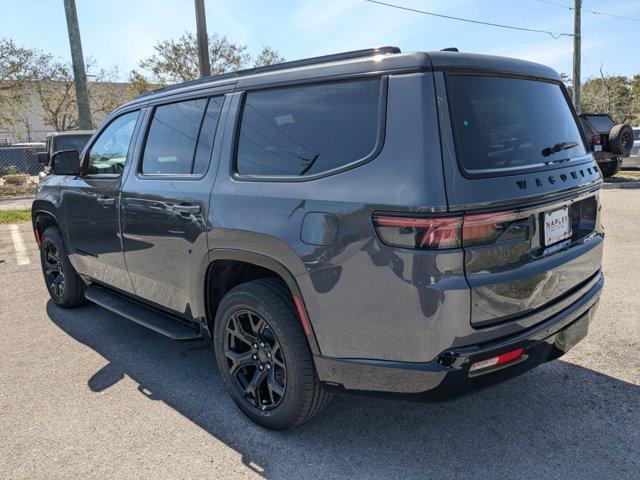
x: 621, y: 139
x: 609, y: 169
x: 290, y: 370
x: 65, y: 286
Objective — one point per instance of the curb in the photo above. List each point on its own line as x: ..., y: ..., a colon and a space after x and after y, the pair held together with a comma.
x: 611, y: 186
x: 13, y: 199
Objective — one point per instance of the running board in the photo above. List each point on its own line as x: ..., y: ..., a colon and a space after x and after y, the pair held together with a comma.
x: 155, y: 320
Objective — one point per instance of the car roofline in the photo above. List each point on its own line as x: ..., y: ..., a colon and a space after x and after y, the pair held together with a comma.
x: 380, y: 60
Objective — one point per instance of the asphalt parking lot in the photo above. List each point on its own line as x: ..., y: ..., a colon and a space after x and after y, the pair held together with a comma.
x: 87, y: 394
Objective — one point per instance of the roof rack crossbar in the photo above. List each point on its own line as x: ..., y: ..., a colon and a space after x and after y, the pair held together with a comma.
x: 367, y: 52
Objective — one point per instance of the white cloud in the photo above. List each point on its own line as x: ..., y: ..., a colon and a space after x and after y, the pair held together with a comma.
x: 352, y: 24
x: 559, y: 53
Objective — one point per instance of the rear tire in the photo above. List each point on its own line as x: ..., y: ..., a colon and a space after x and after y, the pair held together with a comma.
x: 609, y: 169
x: 255, y: 320
x: 65, y: 286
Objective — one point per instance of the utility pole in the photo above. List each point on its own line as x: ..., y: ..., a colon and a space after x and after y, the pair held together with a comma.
x: 79, y: 75
x: 203, y: 39
x: 576, y: 54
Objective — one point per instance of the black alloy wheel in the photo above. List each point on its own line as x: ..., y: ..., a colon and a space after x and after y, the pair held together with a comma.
x: 264, y: 357
x: 65, y: 286
x: 255, y: 360
x: 53, y: 269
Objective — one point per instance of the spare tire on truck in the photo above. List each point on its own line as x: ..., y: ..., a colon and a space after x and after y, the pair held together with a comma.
x: 621, y: 139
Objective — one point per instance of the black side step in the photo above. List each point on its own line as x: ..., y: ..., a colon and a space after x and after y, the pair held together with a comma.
x: 160, y: 322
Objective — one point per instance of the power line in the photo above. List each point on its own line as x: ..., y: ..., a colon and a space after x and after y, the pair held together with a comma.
x: 479, y: 22
x: 593, y: 12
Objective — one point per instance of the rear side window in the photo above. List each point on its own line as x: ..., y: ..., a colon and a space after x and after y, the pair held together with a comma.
x: 503, y: 124
x: 601, y: 123
x: 180, y: 137
x: 306, y: 130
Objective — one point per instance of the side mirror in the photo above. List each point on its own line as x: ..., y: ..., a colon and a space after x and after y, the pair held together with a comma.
x: 66, y: 162
x: 43, y: 157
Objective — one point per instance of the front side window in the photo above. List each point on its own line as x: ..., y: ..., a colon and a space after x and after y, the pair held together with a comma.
x: 502, y: 124
x: 108, y: 154
x: 305, y: 130
x: 180, y: 137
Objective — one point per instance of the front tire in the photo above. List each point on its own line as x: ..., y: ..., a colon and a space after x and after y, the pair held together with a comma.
x: 65, y: 286
x: 264, y: 357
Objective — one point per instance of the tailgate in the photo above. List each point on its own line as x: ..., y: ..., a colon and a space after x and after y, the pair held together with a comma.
x: 535, y: 263
x: 516, y: 165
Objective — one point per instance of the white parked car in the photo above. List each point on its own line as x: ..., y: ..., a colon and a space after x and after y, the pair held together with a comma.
x: 633, y: 160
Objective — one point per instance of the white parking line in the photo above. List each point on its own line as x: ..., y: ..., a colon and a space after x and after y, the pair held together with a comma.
x: 18, y: 244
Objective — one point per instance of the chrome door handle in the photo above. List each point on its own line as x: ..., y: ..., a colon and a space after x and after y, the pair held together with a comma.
x: 191, y: 209
x: 106, y: 201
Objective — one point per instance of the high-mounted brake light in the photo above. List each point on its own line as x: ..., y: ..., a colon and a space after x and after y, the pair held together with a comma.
x: 442, y: 232
x: 498, y: 360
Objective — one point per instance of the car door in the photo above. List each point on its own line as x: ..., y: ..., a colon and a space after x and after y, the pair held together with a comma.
x: 92, y: 204
x: 166, y: 199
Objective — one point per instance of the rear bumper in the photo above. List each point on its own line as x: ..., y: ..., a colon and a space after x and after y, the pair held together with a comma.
x: 448, y: 374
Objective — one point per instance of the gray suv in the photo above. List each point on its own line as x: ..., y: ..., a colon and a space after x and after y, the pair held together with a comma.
x: 374, y: 221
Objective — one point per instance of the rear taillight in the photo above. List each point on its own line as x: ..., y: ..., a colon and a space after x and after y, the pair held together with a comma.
x: 420, y: 233
x: 485, y: 227
x: 596, y: 140
x: 429, y: 233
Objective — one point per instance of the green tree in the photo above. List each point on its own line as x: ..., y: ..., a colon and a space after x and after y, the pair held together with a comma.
x: 56, y: 92
x: 19, y: 69
x: 619, y: 96
x: 176, y: 61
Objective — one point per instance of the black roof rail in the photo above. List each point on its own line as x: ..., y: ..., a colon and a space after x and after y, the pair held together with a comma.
x: 367, y: 52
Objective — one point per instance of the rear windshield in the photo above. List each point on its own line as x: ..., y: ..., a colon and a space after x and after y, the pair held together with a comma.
x: 502, y: 124
x: 602, y: 123
x: 68, y: 142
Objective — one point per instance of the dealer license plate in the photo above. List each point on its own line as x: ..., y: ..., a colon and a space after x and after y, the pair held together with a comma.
x: 557, y: 226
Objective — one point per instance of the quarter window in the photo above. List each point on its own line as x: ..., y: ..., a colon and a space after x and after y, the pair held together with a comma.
x: 305, y: 130
x: 180, y: 137
x: 108, y: 154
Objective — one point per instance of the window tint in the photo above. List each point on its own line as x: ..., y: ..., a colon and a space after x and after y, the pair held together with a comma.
x: 308, y: 129
x: 601, y: 123
x: 180, y: 137
x: 108, y: 153
x: 506, y: 123
x: 70, y: 142
x: 207, y: 133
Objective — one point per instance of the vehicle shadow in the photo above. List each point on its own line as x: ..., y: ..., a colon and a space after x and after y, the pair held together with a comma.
x: 559, y: 420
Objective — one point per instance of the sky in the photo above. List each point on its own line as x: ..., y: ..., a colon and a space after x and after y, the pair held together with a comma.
x: 119, y: 33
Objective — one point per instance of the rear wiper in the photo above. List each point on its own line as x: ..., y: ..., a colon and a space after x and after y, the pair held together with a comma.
x: 558, y: 147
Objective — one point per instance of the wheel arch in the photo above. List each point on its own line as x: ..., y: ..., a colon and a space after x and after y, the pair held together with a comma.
x: 252, y: 266
x: 43, y: 216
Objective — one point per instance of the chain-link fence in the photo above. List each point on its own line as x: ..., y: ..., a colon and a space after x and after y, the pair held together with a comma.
x: 21, y: 158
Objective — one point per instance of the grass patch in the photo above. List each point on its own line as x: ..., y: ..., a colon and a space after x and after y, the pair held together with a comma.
x: 8, y: 191
x: 635, y: 174
x: 624, y: 176
x: 15, y: 216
